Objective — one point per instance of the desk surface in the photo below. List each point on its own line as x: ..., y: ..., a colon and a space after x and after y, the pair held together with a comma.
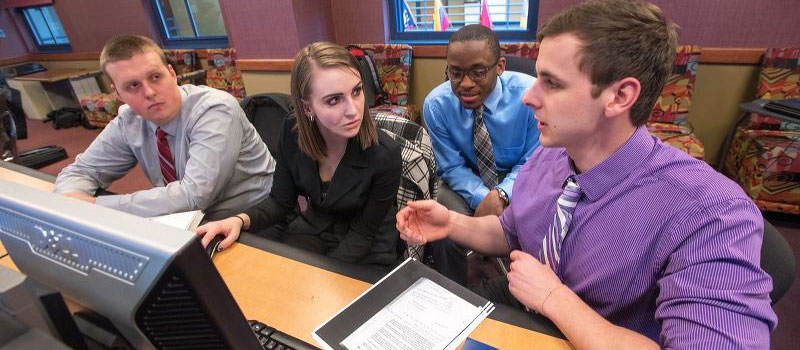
x: 8, y: 174
x: 310, y: 294
x: 53, y: 75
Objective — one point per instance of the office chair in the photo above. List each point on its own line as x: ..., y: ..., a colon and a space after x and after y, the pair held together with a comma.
x: 521, y: 65
x: 761, y: 155
x: 222, y: 73
x: 777, y: 260
x: 267, y: 112
x: 393, y: 64
x: 418, y: 179
x: 8, y: 137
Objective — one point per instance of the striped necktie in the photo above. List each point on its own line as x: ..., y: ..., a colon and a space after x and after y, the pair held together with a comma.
x: 483, y: 150
x: 165, y: 157
x: 562, y: 220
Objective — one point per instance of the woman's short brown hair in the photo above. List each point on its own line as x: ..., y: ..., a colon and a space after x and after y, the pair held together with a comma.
x: 123, y: 47
x: 315, y: 56
x: 621, y: 38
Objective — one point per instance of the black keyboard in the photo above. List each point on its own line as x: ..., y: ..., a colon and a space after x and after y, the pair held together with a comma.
x: 272, y: 339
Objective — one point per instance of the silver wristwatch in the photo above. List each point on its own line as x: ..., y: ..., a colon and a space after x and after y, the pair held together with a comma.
x: 503, y: 195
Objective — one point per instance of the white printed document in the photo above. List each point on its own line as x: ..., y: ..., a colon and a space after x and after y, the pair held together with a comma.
x: 411, y: 308
x: 425, y: 316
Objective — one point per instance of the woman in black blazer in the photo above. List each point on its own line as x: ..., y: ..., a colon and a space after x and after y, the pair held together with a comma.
x: 332, y: 154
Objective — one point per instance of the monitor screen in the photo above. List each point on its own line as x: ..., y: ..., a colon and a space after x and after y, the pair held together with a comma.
x: 155, y: 283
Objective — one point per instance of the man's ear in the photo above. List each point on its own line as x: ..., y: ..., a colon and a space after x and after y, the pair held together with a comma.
x: 172, y: 71
x: 622, y: 95
x: 114, y: 91
x: 501, y: 65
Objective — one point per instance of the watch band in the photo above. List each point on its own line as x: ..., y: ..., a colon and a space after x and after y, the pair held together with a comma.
x: 503, y: 195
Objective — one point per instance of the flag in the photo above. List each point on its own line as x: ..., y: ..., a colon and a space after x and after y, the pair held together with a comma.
x: 408, y: 17
x: 523, y: 20
x: 486, y: 19
x: 440, y: 22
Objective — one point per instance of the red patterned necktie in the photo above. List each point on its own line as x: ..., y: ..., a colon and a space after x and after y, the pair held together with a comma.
x: 165, y: 157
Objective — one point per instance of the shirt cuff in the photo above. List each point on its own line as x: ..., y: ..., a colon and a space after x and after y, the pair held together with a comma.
x: 111, y: 201
x: 478, y: 195
x: 506, y: 187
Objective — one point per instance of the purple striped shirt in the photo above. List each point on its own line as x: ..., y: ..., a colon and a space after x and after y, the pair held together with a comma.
x: 660, y: 244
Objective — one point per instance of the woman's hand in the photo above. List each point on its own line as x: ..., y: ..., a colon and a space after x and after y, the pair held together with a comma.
x: 230, y: 228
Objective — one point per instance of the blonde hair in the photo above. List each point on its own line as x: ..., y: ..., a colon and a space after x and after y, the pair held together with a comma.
x: 322, y: 55
x: 123, y: 47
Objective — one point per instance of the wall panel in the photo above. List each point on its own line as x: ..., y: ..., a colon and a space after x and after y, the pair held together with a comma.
x: 89, y: 23
x: 13, y: 44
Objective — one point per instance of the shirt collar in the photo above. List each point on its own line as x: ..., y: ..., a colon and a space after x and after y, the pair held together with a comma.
x: 491, y: 102
x: 490, y: 105
x: 603, y: 177
x: 171, y: 128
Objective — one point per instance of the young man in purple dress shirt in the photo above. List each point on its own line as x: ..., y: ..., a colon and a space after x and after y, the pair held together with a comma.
x: 647, y: 247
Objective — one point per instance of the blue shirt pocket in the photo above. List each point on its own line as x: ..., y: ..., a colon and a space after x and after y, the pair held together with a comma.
x: 507, y: 157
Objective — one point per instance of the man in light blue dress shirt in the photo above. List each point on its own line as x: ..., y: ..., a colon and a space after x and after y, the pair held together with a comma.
x: 194, y: 143
x: 477, y: 81
x: 477, y: 77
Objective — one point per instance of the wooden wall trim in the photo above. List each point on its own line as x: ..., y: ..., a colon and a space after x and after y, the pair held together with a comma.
x: 710, y: 55
x: 80, y: 56
x: 430, y: 51
x: 72, y: 56
x: 717, y: 55
x: 13, y: 60
x: 265, y: 65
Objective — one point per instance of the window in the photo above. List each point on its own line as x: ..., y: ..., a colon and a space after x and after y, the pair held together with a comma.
x: 190, y: 23
x: 432, y: 21
x: 46, y: 29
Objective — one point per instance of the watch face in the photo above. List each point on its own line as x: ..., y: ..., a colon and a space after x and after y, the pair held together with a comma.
x: 503, y: 195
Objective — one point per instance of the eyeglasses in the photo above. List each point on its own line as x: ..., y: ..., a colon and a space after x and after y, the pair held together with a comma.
x: 475, y: 73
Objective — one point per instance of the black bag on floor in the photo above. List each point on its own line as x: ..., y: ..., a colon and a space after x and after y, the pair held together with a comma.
x: 67, y: 117
x: 42, y: 156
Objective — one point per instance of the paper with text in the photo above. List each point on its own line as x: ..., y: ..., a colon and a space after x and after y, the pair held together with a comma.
x: 425, y: 316
x: 187, y: 220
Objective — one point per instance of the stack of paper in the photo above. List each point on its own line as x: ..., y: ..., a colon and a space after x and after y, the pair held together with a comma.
x: 413, y: 308
x: 187, y: 220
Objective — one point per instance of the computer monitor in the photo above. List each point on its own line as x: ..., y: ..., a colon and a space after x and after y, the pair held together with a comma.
x: 155, y: 283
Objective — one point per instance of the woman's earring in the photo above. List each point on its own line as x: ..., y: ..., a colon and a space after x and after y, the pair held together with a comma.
x: 311, y: 117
